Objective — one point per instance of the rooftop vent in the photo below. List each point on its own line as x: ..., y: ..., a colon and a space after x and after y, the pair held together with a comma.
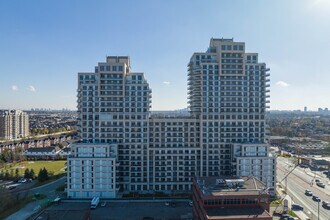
x: 220, y: 181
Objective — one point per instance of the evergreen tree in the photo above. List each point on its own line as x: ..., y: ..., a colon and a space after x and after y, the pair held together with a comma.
x: 43, y: 175
x: 40, y: 175
x: 32, y: 174
x: 7, y: 175
x: 27, y: 173
x: 16, y: 173
x: 46, y: 174
x: 11, y: 173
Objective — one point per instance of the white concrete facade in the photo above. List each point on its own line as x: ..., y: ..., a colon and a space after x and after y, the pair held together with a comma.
x: 162, y: 152
x: 228, y: 92
x: 92, y: 171
x: 14, y: 124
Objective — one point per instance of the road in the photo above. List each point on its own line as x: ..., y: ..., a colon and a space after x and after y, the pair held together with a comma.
x: 48, y: 189
x: 37, y: 136
x: 300, y: 180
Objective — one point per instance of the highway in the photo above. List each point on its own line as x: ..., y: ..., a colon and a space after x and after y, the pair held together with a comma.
x: 300, y: 180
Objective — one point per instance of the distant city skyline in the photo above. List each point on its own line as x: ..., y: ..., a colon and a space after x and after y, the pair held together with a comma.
x: 45, y: 44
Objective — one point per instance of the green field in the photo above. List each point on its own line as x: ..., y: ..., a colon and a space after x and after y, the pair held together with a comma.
x: 56, y: 167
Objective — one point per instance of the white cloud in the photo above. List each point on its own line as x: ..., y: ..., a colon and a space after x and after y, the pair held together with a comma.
x: 31, y: 88
x: 166, y: 82
x: 14, y: 88
x: 282, y: 84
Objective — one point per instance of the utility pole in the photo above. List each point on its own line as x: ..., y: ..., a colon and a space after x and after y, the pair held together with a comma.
x: 318, y: 210
x: 286, y: 185
x: 286, y: 181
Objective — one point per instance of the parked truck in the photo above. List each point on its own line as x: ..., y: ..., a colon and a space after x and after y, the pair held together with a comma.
x: 95, y: 202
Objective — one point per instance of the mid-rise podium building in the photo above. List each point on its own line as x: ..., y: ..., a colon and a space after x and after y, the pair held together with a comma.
x: 224, y: 132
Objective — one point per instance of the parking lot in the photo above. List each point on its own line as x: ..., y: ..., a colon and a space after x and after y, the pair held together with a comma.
x: 119, y: 210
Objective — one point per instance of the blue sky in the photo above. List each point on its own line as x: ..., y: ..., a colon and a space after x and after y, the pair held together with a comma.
x: 44, y: 44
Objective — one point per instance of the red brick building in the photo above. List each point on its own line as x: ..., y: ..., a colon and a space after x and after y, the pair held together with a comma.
x: 230, y: 198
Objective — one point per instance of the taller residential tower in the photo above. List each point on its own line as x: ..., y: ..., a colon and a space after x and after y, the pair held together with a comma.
x: 124, y: 147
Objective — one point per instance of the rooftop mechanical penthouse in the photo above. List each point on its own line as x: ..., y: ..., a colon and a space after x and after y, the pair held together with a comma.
x: 224, y: 132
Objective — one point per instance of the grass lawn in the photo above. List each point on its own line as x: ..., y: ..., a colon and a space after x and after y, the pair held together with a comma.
x: 290, y: 212
x: 56, y: 166
x: 276, y: 203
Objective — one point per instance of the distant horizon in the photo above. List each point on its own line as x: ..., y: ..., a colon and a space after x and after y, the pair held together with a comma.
x: 45, y: 45
x: 177, y: 109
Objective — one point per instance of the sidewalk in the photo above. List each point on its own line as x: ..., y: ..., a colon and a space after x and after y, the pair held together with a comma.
x: 300, y: 214
x: 27, y: 210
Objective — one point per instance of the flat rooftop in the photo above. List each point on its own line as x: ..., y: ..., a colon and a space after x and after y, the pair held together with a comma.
x: 228, y: 185
x: 250, y: 212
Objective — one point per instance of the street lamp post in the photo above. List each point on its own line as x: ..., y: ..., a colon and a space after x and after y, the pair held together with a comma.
x: 318, y: 210
x: 286, y: 185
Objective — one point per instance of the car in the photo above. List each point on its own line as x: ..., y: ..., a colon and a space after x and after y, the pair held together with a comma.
x: 167, y: 203
x: 320, y: 184
x: 308, y: 192
x: 326, y: 204
x: 11, y: 187
x: 103, y: 204
x: 286, y: 217
x: 296, y: 207
x: 190, y: 203
x: 57, y: 200
x: 317, y: 180
x: 22, y: 180
x: 316, y: 198
x: 173, y: 204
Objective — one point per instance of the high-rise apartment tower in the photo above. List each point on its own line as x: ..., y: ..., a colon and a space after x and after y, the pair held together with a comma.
x: 13, y: 124
x: 224, y: 132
